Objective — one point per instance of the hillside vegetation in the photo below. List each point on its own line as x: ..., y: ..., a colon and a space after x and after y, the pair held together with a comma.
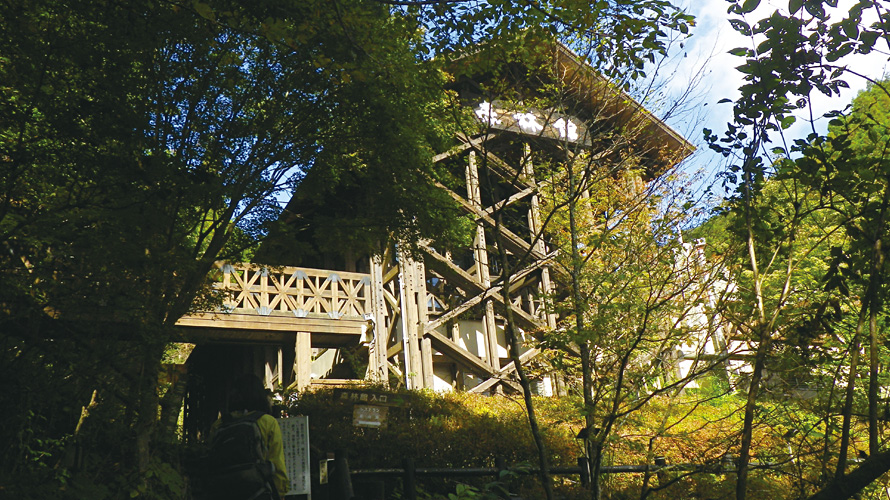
x: 461, y: 430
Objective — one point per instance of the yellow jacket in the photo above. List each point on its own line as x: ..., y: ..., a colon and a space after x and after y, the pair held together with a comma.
x: 271, y: 433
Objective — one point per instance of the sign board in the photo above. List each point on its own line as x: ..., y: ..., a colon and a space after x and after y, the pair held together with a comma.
x: 295, y: 438
x: 368, y: 397
x: 323, y: 471
x: 540, y: 123
x: 369, y: 416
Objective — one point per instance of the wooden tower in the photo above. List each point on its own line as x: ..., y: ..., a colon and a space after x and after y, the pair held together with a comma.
x: 435, y: 319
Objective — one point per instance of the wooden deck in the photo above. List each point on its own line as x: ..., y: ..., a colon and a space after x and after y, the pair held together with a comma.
x: 272, y: 304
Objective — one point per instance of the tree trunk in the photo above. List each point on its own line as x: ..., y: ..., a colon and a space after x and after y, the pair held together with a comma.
x: 873, y: 365
x: 875, y: 282
x: 147, y: 403
x: 171, y: 406
x: 748, y: 426
x: 512, y: 338
x: 847, y: 486
x: 514, y: 342
x: 763, y: 337
x: 847, y: 412
x: 592, y: 446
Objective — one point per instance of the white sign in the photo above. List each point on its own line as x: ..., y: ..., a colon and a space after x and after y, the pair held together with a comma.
x: 534, y: 122
x: 295, y: 438
x: 369, y: 416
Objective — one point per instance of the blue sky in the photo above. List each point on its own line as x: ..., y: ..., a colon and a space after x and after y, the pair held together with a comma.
x: 707, y: 50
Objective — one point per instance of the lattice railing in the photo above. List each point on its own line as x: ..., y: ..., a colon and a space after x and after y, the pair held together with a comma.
x: 302, y: 292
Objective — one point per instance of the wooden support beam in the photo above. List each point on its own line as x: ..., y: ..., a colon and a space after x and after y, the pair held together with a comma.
x: 510, y: 200
x: 535, y: 228
x: 377, y: 350
x: 499, y: 377
x: 422, y: 300
x: 391, y: 300
x: 302, y: 361
x: 460, y: 355
x: 275, y: 322
x: 394, y: 350
x: 480, y: 256
x: 462, y: 279
x: 410, y: 322
x: 471, y: 143
x: 493, y: 381
x: 496, y: 165
x: 288, y: 357
x: 391, y: 274
x: 426, y: 355
x: 514, y: 243
x: 463, y: 307
x: 394, y: 369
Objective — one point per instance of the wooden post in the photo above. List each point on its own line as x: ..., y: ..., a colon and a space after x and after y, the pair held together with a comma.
x: 426, y: 345
x: 288, y: 357
x: 457, y: 371
x: 303, y: 361
x: 408, y: 292
x: 584, y: 465
x: 377, y: 370
x: 480, y: 254
x: 534, y: 226
x: 410, y: 479
x: 269, y: 369
x: 661, y: 463
x: 426, y: 354
x: 280, y: 353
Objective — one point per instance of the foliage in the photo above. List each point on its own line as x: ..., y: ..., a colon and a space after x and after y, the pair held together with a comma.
x: 450, y: 430
x: 794, y: 54
x: 618, y: 37
x: 464, y: 430
x: 140, y: 143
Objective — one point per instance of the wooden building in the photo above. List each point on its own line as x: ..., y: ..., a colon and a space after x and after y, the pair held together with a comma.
x: 435, y: 319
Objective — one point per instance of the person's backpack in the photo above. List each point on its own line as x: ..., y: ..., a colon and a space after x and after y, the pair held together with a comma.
x: 237, y: 465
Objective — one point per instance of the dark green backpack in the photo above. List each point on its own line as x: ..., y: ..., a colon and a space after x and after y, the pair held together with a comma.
x: 237, y: 464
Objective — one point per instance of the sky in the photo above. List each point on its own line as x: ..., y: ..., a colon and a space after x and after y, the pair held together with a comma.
x: 706, y: 54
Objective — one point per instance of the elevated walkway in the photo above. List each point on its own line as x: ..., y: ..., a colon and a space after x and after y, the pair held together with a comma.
x: 263, y: 303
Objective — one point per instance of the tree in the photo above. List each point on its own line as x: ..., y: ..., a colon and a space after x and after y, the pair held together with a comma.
x: 627, y: 278
x: 142, y: 142
x: 117, y: 198
x: 796, y: 54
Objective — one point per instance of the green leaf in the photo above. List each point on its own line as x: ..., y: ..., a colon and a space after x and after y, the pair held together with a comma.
x: 794, y: 6
x: 204, y: 10
x: 851, y: 28
x: 788, y: 121
x: 740, y: 26
x: 814, y: 7
x: 868, y: 39
x: 749, y: 6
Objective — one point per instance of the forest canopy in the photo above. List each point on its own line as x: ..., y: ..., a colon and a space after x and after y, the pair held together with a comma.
x: 143, y: 141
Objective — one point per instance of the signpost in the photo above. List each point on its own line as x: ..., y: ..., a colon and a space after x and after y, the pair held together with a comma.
x: 295, y: 438
x: 370, y: 408
x: 369, y: 416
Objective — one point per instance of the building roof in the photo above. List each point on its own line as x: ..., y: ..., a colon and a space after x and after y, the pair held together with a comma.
x: 597, y: 102
x: 594, y: 89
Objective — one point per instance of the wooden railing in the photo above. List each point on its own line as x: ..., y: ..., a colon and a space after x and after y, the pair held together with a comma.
x: 302, y: 292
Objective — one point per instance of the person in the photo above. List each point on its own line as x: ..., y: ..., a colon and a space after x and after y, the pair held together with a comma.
x: 248, y: 397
